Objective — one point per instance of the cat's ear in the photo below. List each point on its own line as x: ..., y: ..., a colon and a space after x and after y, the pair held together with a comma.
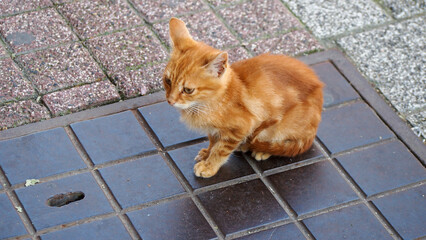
x: 179, y: 34
x: 218, y: 66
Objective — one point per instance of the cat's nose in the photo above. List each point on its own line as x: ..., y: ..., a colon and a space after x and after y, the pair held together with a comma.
x: 171, y: 102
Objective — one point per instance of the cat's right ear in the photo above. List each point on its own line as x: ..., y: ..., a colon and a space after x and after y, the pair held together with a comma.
x: 179, y: 34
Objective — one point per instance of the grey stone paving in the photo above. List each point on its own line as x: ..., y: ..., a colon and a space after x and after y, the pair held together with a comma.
x: 404, y: 8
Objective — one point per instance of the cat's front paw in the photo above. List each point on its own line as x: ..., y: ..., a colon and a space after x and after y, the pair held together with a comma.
x: 205, y: 169
x: 202, y: 155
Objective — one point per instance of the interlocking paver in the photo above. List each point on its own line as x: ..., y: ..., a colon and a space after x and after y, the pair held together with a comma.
x: 402, y: 9
x: 368, y: 170
x: 155, y: 10
x: 292, y: 43
x: 136, y: 182
x: 313, y: 187
x: 108, y: 229
x: 35, y: 30
x: 82, y: 97
x: 405, y: 211
x: 253, y: 19
x: 10, y: 223
x: 60, y: 67
x: 16, y: 6
x: 418, y: 120
x: 235, y: 167
x: 90, y: 18
x: 179, y: 219
x: 12, y: 83
x: 351, y: 126
x: 232, y: 211
x: 112, y: 137
x: 330, y: 18
x: 288, y: 231
x: 236, y: 54
x: 19, y: 113
x: 355, y: 222
x: 34, y: 198
x: 162, y: 114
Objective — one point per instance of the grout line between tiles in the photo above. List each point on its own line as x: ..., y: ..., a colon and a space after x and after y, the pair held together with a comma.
x: 178, y: 174
x: 373, y: 209
x: 253, y: 230
x: 102, y: 184
x: 287, y: 208
x: 395, y: 190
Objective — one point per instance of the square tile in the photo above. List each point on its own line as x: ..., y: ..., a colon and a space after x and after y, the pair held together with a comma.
x: 313, y: 187
x: 10, y: 223
x: 351, y: 126
x: 12, y: 84
x: 405, y: 8
x: 34, y: 198
x: 405, y: 211
x: 16, y: 6
x: 35, y: 30
x: 292, y: 43
x: 253, y: 19
x: 235, y: 167
x: 19, y: 113
x: 179, y: 219
x: 164, y: 121
x: 337, y: 90
x: 91, y: 18
x: 355, y: 222
x: 106, y: 229
x: 127, y: 50
x: 137, y: 182
x: 203, y: 26
x: 50, y: 152
x: 242, y: 206
x: 81, y: 97
x: 383, y: 167
x: 60, y: 67
x: 330, y: 18
x: 155, y: 10
x: 276, y: 161
x: 112, y: 137
x: 289, y: 231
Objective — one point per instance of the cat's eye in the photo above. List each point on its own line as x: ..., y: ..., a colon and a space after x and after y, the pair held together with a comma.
x: 168, y: 81
x: 188, y: 90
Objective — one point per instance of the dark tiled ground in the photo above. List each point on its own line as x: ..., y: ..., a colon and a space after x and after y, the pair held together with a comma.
x: 135, y: 166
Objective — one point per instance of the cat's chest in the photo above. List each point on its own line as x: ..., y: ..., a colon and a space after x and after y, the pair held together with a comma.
x: 200, y: 123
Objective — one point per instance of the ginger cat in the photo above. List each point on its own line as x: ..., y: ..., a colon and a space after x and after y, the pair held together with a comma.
x: 269, y: 104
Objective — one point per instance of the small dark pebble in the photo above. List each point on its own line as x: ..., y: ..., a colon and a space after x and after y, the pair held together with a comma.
x: 62, y: 199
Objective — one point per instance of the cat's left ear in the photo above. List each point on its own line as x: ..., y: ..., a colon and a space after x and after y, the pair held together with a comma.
x: 218, y: 66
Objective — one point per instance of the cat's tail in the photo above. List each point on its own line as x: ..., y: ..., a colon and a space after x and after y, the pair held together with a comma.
x: 287, y: 148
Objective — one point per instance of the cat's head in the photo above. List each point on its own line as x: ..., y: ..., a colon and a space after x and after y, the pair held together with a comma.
x: 196, y: 73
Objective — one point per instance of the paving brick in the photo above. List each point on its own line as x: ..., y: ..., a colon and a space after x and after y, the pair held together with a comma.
x: 164, y: 120
x: 155, y: 10
x: 368, y: 170
x: 107, y: 229
x: 178, y: 219
x: 61, y: 67
x: 330, y: 18
x: 16, y: 6
x: 355, y: 222
x: 127, y: 50
x: 276, y: 162
x: 50, y: 152
x: 402, y: 9
x: 351, y: 126
x: 136, y: 182
x: 12, y: 84
x: 292, y: 43
x: 112, y: 137
x: 203, y: 26
x: 82, y: 97
x: 405, y: 211
x: 236, y: 54
x: 35, y: 30
x: 312, y: 187
x: 232, y: 211
x: 418, y: 120
x: 337, y: 90
x: 217, y: 3
x: 391, y: 58
x: 91, y: 18
x: 19, y: 113
x: 10, y: 223
x: 235, y: 167
x: 289, y: 231
x: 253, y: 19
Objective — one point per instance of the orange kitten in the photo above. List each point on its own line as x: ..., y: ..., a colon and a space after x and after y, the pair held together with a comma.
x: 269, y: 104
